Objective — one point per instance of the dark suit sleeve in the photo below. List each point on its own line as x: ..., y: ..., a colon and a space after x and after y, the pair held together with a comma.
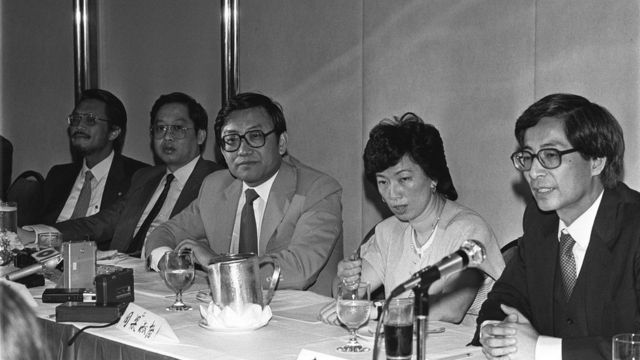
x: 99, y: 227
x: 510, y: 289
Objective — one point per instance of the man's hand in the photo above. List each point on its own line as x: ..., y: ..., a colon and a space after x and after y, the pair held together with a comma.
x: 202, y: 252
x: 513, y: 338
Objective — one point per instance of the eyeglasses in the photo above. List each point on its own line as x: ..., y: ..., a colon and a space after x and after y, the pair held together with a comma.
x: 160, y: 131
x: 89, y: 119
x: 253, y: 138
x: 548, y: 158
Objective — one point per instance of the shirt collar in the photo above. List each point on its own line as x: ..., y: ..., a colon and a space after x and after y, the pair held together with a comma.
x: 262, y: 189
x: 101, y: 169
x: 580, y: 229
x: 183, y: 173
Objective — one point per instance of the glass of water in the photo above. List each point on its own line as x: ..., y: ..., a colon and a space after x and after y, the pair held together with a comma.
x: 625, y: 347
x: 353, y: 307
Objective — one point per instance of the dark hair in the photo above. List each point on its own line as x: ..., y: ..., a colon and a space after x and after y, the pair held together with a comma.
x: 390, y: 140
x: 590, y: 128
x: 115, y: 111
x: 197, y: 113
x: 21, y: 335
x: 247, y: 101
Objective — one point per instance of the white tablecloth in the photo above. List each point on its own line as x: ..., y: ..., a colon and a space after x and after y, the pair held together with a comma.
x: 293, y: 327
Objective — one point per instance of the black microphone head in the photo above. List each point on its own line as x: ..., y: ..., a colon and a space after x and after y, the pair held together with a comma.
x: 475, y: 252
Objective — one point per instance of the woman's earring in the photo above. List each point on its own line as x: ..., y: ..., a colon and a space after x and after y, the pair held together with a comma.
x: 433, y: 187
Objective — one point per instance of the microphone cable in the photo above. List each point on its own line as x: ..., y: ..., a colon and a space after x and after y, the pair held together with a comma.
x: 75, y: 336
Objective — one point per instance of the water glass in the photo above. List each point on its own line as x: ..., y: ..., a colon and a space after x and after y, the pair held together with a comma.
x: 625, y: 347
x: 8, y: 217
x: 47, y: 240
x: 353, y: 306
x: 398, y: 329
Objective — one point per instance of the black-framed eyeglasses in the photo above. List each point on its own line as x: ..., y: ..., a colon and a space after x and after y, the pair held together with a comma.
x: 160, y: 131
x: 88, y: 119
x: 253, y: 138
x: 548, y: 158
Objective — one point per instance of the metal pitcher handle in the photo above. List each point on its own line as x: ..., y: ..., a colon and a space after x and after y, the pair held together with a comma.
x: 274, y: 278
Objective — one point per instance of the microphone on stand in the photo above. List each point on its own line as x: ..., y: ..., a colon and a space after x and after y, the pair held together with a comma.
x: 470, y: 254
x: 48, y: 263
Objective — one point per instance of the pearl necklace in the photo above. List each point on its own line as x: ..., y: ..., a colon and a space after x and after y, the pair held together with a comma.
x: 414, y: 236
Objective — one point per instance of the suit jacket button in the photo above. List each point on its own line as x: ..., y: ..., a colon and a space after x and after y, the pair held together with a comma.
x: 569, y: 321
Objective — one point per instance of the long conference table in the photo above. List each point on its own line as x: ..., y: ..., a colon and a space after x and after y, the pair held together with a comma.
x: 293, y: 327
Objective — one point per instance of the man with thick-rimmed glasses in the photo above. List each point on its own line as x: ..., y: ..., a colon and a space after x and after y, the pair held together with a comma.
x: 101, y: 174
x: 267, y: 203
x: 574, y: 281
x: 178, y: 130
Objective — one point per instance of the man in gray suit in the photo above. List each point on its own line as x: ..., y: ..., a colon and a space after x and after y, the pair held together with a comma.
x: 178, y: 129
x: 293, y: 211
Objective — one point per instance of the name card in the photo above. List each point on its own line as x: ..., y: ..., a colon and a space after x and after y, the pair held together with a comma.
x: 306, y: 354
x: 145, y: 325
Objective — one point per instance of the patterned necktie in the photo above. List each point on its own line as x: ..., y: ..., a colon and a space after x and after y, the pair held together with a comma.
x: 82, y: 205
x: 248, y: 232
x: 138, y: 240
x: 567, y: 263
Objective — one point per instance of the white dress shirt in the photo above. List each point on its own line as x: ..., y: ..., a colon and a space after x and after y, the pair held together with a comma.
x: 100, y: 172
x: 547, y: 347
x: 259, y: 205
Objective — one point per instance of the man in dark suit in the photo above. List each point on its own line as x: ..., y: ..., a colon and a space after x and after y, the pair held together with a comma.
x: 97, y: 128
x: 574, y: 282
x: 178, y: 130
x: 294, y: 215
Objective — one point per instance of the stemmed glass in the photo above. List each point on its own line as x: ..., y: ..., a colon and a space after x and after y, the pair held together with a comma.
x: 353, y: 308
x: 178, y: 272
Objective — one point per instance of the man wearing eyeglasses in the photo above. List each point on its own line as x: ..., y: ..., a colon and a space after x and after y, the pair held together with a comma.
x: 574, y: 282
x: 96, y: 129
x: 178, y: 131
x: 268, y: 203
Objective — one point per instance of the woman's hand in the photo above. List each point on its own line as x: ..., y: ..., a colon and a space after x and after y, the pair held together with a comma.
x: 201, y: 251
x: 349, y: 271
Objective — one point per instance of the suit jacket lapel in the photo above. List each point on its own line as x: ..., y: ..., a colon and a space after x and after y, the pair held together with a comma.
x: 190, y: 187
x: 224, y: 218
x: 280, y: 196
x: 544, y: 252
x: 114, y: 177
x: 138, y: 198
x: 599, y: 256
x: 142, y: 200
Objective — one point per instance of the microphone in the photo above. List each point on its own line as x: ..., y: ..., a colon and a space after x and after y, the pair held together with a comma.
x: 470, y: 254
x: 48, y: 263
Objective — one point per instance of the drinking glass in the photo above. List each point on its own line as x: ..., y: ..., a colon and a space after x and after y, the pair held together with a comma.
x: 398, y: 329
x: 625, y: 347
x: 353, y: 307
x: 8, y: 217
x: 178, y: 272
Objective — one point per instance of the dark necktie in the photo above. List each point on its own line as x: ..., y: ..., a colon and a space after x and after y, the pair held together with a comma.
x: 82, y: 205
x: 248, y: 232
x: 567, y: 263
x: 138, y: 240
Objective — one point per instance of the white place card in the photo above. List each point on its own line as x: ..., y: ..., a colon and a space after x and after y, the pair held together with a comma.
x: 145, y: 325
x: 306, y: 354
